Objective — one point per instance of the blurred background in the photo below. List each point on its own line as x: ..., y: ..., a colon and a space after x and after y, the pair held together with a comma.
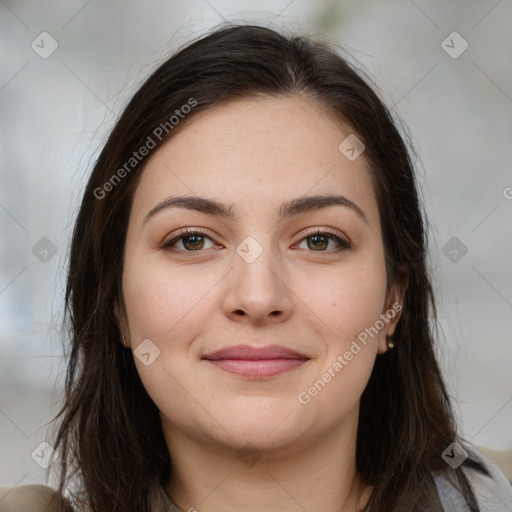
x: 67, y: 70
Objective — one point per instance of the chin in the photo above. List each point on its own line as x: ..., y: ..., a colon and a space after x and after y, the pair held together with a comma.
x: 262, y: 440
x: 273, y: 427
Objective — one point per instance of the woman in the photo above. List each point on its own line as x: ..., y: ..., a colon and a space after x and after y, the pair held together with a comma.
x: 249, y: 304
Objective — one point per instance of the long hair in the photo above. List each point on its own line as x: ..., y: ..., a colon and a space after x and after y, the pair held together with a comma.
x: 109, y: 435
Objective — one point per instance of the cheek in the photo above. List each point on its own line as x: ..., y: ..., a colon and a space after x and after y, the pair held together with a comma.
x: 170, y: 386
x: 350, y: 305
x: 346, y: 300
x: 166, y: 308
x: 170, y: 307
x: 160, y: 300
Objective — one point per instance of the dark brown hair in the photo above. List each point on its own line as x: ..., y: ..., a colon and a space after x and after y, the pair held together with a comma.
x: 109, y: 434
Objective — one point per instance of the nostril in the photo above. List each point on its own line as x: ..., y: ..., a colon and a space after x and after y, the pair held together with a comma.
x: 239, y: 312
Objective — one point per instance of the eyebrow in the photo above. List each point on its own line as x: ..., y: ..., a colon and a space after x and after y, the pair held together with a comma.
x: 228, y: 211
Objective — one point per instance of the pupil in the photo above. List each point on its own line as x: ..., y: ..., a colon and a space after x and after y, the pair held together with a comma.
x: 318, y: 241
x: 194, y: 240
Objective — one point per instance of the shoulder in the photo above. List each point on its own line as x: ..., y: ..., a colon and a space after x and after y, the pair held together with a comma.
x: 26, y: 498
x: 490, y: 486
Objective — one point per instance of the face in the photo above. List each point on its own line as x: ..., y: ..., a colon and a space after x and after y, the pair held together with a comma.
x: 256, y: 311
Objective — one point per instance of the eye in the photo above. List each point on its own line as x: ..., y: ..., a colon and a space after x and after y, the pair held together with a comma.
x: 189, y: 240
x: 195, y: 240
x: 319, y: 241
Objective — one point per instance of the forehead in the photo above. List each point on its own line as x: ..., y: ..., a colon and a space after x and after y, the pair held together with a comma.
x: 259, y: 151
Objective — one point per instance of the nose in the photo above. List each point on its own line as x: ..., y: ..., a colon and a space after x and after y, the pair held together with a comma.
x: 257, y: 292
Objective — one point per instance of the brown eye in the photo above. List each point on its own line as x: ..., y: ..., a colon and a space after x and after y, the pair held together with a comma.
x: 319, y: 242
x: 194, y: 242
x: 188, y: 241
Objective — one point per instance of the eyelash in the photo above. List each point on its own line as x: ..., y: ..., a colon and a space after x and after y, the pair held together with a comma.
x: 343, y: 243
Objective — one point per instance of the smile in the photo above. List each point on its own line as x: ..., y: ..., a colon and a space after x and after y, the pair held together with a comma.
x: 256, y: 362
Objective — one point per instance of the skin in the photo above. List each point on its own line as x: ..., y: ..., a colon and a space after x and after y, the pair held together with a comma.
x: 256, y: 154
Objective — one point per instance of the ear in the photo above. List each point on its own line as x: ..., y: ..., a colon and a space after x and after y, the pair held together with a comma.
x: 392, y: 309
x: 120, y: 315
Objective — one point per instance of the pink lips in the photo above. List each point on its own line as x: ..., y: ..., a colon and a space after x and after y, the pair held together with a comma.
x: 256, y: 362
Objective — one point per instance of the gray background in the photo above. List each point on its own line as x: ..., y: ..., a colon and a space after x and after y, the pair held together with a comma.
x: 57, y: 111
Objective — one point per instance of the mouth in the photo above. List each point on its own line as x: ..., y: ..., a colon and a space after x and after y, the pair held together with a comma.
x: 256, y: 362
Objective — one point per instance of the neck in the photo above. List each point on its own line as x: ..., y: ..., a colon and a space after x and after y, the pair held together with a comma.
x: 320, y: 477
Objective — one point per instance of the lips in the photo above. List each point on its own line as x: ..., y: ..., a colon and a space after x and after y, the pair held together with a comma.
x: 256, y: 362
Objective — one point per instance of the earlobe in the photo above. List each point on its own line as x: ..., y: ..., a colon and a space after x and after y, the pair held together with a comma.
x: 386, y: 343
x: 393, y: 313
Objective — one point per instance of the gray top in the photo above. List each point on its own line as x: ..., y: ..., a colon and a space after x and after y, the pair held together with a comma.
x: 493, y: 492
